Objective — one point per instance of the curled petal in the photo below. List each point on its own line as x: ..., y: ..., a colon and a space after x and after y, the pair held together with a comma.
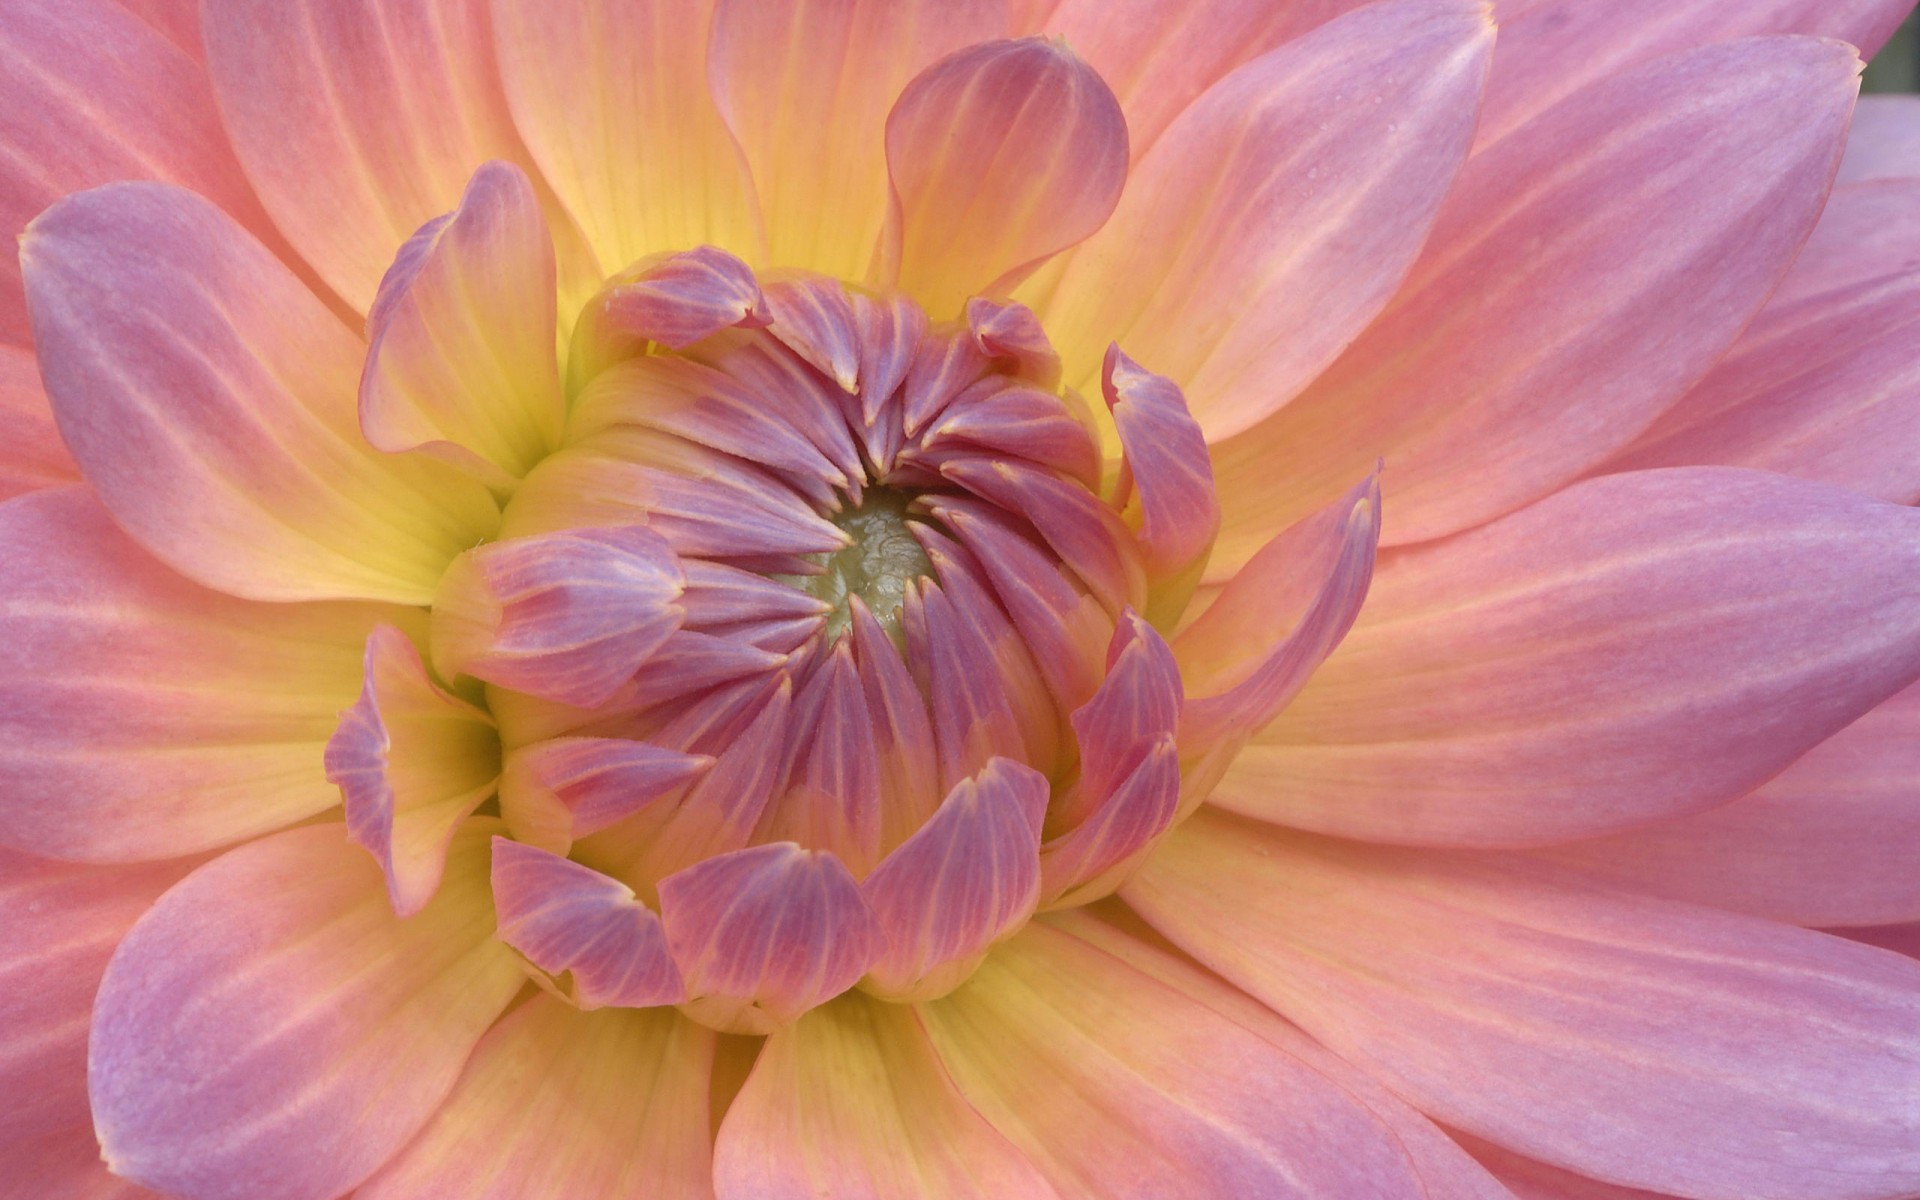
x: 813, y: 317
x: 832, y: 798
x: 1013, y: 419
x: 557, y: 1104
x: 1137, y: 704
x: 1166, y: 461
x: 1001, y: 155
x: 208, y: 397
x: 675, y: 301
x: 256, y: 1016
x: 411, y: 761
x: 1083, y: 532
x: 1091, y: 859
x: 460, y: 362
x: 565, y: 616
x: 852, y: 1100
x: 762, y: 935
x: 568, y: 919
x: 966, y: 879
x: 554, y: 792
x: 1008, y: 331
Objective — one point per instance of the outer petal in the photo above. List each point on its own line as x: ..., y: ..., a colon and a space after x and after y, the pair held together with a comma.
x: 1635, y: 1040
x: 1824, y: 384
x: 561, y: 1105
x: 1280, y: 211
x: 1530, y: 1180
x: 568, y: 919
x: 412, y: 761
x: 270, y: 1031
x: 1160, y: 55
x: 33, y: 456
x: 59, y: 923
x: 461, y: 362
x: 584, y: 77
x: 1636, y: 647
x: 1165, y: 454
x: 392, y: 108
x: 1885, y: 140
x: 1001, y: 155
x: 1827, y: 842
x: 805, y: 88
x: 1115, y: 1085
x: 764, y: 934
x: 209, y: 398
x: 143, y: 716
x: 65, y: 1165
x: 553, y: 792
x: 968, y: 878
x: 852, y: 1102
x: 1558, y: 48
x: 94, y: 94
x: 1704, y: 170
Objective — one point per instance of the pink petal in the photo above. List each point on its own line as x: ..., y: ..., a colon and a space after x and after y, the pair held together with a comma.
x: 1248, y: 656
x: 968, y: 878
x: 65, y: 1165
x: 208, y: 396
x: 1444, y: 1169
x: 1010, y: 332
x: 143, y: 716
x: 852, y: 1101
x: 270, y: 1031
x: 974, y: 712
x: 1010, y: 419
x: 676, y: 301
x: 1824, y: 384
x: 94, y: 94
x: 554, y: 792
x: 564, y: 616
x: 832, y: 799
x: 412, y: 762
x: 461, y: 358
x: 1160, y: 55
x: 1634, y: 1040
x: 561, y: 1105
x: 805, y: 89
x: 1138, y: 703
x: 179, y: 20
x: 1704, y: 170
x: 764, y: 934
x: 1280, y: 211
x: 1829, y: 841
x: 1090, y: 860
x: 1000, y: 155
x: 1885, y: 140
x: 904, y: 747
x: 394, y: 109
x: 1633, y: 648
x: 1166, y: 462
x: 1901, y: 939
x: 1561, y: 47
x: 568, y: 919
x: 1530, y: 1180
x: 581, y: 78
x: 1114, y: 1084
x: 59, y: 923
x: 33, y: 456
x: 1083, y: 532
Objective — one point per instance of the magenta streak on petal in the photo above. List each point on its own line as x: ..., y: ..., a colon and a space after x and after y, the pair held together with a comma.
x: 676, y: 302
x: 1085, y: 533
x: 763, y: 934
x: 1138, y: 703
x: 811, y: 404
x: 1004, y: 417
x: 888, y: 330
x: 903, y: 732
x: 1008, y: 331
x: 1064, y: 627
x: 717, y: 594
x: 1094, y: 857
x: 969, y: 877
x: 1166, y: 462
x: 564, y: 616
x: 1334, y: 547
x: 555, y: 791
x: 411, y: 762
x: 832, y: 797
x: 566, y: 918
x: 813, y: 317
x: 692, y: 661
x: 942, y: 367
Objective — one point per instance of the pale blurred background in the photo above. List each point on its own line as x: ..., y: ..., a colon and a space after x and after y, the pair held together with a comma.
x: 1897, y: 67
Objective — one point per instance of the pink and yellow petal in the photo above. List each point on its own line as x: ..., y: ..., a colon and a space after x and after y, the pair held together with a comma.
x: 853, y: 1102
x: 297, y: 1048
x: 208, y: 397
x: 145, y: 716
x: 563, y: 1105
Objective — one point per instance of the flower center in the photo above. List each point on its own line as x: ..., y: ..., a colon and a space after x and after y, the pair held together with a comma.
x: 882, y: 562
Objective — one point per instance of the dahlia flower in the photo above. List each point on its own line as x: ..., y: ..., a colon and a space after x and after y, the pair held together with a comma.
x: 1003, y: 598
